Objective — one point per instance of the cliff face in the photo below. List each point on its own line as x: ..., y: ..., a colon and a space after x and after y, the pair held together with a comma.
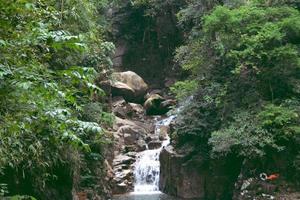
x: 145, y: 44
x: 194, y: 177
x: 189, y: 174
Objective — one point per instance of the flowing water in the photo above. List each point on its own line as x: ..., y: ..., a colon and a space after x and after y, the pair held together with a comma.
x: 146, y: 172
x: 147, y: 166
x: 150, y: 196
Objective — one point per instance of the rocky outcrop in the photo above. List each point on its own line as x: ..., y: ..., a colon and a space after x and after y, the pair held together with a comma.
x: 189, y: 175
x: 179, y: 178
x: 123, y: 176
x: 131, y: 133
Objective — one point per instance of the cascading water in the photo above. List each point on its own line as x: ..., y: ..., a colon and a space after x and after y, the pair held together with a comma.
x: 147, y: 166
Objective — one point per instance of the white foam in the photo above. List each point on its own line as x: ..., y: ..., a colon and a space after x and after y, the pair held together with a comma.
x: 147, y: 166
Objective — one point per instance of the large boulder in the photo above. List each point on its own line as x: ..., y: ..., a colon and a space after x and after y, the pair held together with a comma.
x: 129, y: 85
x: 157, y: 105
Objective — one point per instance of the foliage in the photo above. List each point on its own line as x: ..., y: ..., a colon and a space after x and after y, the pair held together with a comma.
x: 50, y: 55
x: 184, y: 89
x: 251, y: 42
x: 249, y: 53
x: 243, y: 137
x: 18, y: 197
x: 199, y: 117
x: 279, y: 120
x: 156, y: 7
x: 251, y: 134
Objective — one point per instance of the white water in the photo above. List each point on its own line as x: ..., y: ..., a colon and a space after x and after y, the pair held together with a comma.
x: 147, y: 166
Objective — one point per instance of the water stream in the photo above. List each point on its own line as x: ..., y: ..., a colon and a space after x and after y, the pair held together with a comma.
x: 146, y: 172
x: 147, y: 166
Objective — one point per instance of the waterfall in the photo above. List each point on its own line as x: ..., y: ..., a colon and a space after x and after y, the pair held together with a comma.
x: 147, y: 166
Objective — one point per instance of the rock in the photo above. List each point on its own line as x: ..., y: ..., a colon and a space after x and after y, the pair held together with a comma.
x: 169, y: 82
x: 163, y: 132
x: 131, y: 133
x: 119, y: 122
x: 141, y: 146
x: 189, y: 175
x: 129, y: 85
x: 121, y: 109
x: 122, y: 89
x: 146, y: 126
x: 118, y: 101
x: 153, y: 92
x: 130, y: 139
x: 120, y: 188
x: 154, y: 144
x: 138, y: 109
x: 109, y: 170
x: 122, y: 159
x: 120, y: 51
x: 167, y: 105
x: 129, y: 148
x: 148, y: 139
x: 179, y: 178
x: 131, y: 154
x: 153, y: 104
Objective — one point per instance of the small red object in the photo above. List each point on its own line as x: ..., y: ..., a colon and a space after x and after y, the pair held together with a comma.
x: 273, y: 177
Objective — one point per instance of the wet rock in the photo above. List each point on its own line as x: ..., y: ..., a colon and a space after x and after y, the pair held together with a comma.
x: 131, y: 154
x: 122, y: 159
x: 152, y: 105
x: 141, y: 146
x: 148, y: 139
x: 123, y: 173
x: 154, y: 144
x: 129, y: 148
x: 167, y: 105
x: 181, y: 178
x: 163, y: 132
x: 120, y: 188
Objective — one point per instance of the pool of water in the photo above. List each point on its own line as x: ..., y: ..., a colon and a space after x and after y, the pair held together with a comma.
x: 153, y: 196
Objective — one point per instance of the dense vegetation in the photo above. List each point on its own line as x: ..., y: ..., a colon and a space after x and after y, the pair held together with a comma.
x: 51, y: 52
x: 239, y: 69
x: 245, y: 60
